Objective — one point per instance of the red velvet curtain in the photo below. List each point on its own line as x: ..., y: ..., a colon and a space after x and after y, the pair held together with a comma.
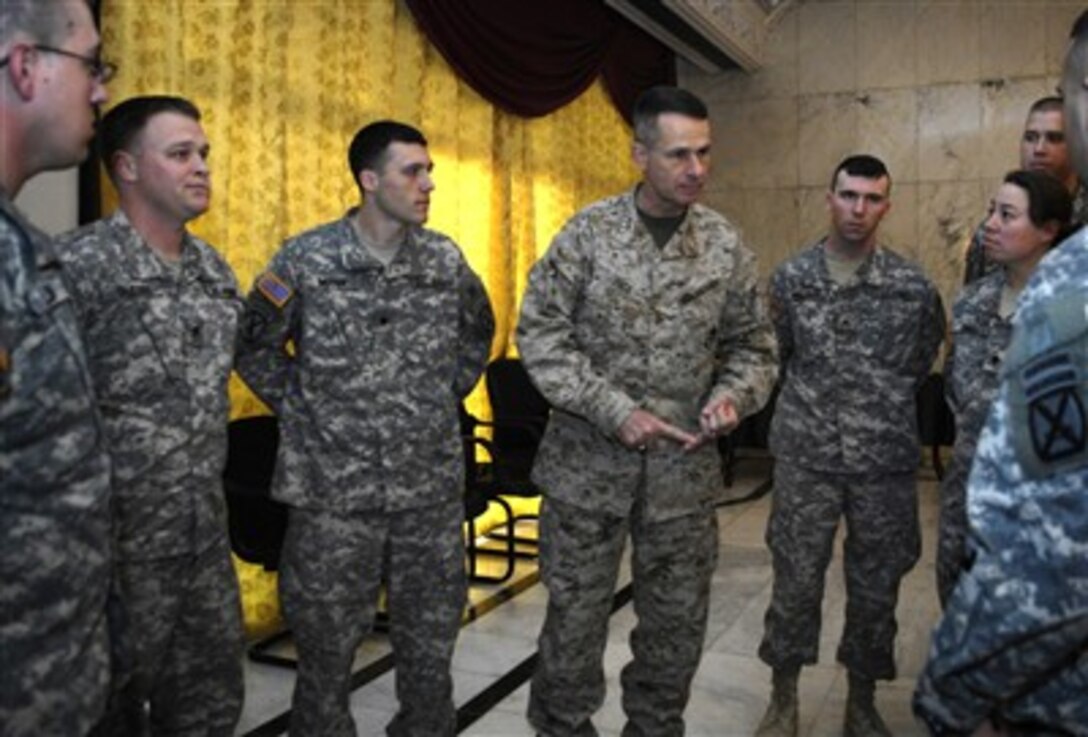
x: 532, y: 57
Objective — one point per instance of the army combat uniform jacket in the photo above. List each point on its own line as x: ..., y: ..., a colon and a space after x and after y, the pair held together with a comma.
x: 55, y: 551
x: 160, y: 342
x: 853, y: 356
x: 381, y: 357
x: 972, y: 373
x: 1013, y: 643
x: 611, y: 323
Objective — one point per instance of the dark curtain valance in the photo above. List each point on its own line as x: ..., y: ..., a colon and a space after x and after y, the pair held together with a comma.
x: 531, y: 58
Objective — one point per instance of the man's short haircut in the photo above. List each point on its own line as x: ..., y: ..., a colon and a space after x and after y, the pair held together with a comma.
x: 1048, y: 104
x: 659, y: 100
x: 124, y: 122
x: 46, y: 21
x: 1048, y: 199
x: 1079, y: 33
x: 369, y: 147
x: 861, y: 165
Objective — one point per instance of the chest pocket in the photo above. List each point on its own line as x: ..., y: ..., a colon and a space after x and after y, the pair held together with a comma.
x: 1048, y: 387
x: 424, y: 317
x: 209, y: 323
x: 134, y: 341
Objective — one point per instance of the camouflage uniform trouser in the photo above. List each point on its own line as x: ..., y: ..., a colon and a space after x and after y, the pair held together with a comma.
x: 181, y: 648
x: 882, y: 544
x: 54, y: 641
x: 952, y: 531
x: 330, y: 573
x: 671, y: 564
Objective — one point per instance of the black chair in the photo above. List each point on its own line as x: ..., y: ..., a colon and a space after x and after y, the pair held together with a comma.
x: 479, y: 493
x: 256, y: 522
x: 520, y: 417
x: 936, y: 423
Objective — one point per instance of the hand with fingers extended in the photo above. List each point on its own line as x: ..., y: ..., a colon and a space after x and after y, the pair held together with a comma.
x: 641, y: 427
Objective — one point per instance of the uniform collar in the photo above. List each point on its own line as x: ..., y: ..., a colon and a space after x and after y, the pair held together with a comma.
x: 683, y: 243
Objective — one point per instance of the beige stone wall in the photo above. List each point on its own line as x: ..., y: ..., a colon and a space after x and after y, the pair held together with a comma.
x: 938, y: 89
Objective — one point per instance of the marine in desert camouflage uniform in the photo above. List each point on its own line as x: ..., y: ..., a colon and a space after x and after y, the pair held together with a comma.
x: 160, y: 309
x: 858, y: 329
x: 55, y: 556
x: 643, y: 326
x: 390, y: 330
x: 1012, y: 647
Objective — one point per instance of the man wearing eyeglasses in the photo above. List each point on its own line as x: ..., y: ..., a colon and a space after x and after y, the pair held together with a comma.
x: 54, y: 503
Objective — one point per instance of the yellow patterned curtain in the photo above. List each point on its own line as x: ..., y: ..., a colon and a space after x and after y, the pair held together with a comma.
x: 284, y: 85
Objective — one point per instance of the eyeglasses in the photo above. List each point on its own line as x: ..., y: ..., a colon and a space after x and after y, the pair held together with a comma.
x: 101, y: 71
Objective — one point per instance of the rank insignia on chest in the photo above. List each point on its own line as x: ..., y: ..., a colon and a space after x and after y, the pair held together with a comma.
x: 274, y: 289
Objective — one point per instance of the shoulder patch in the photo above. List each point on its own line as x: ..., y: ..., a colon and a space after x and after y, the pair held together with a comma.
x: 1048, y: 388
x: 274, y: 289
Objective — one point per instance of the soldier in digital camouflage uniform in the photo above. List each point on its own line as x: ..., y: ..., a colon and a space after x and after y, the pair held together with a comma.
x: 160, y: 309
x: 1043, y: 147
x: 55, y: 552
x: 1029, y: 213
x: 643, y: 326
x: 858, y: 329
x: 390, y: 330
x: 1012, y: 647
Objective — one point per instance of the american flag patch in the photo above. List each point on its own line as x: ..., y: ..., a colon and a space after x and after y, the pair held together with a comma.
x: 274, y: 289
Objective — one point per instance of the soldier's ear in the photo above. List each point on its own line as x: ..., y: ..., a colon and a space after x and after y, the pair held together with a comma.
x: 19, y: 71
x: 368, y: 180
x: 124, y: 166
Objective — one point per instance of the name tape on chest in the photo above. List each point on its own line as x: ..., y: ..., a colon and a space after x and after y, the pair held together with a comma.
x: 274, y: 289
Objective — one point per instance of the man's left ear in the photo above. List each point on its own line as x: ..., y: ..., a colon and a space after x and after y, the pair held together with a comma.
x: 368, y: 180
x: 18, y: 69
x: 124, y: 166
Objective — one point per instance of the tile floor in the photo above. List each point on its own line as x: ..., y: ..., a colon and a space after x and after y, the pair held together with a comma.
x: 731, y: 687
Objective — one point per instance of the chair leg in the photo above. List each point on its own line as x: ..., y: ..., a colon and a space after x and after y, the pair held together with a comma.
x: 519, y: 540
x: 473, y: 549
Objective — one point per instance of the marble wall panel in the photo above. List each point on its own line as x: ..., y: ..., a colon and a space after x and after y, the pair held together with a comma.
x: 827, y: 128
x: 826, y: 47
x: 731, y: 137
x: 1012, y: 36
x: 887, y: 46
x: 1058, y: 17
x: 812, y: 214
x: 1005, y: 107
x: 772, y: 217
x: 948, y: 41
x: 949, y: 119
x: 947, y: 215
x: 769, y: 142
x: 899, y: 229
x: 888, y: 129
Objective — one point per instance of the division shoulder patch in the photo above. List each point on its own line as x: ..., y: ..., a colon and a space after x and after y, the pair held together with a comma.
x: 274, y: 289
x: 1056, y: 417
